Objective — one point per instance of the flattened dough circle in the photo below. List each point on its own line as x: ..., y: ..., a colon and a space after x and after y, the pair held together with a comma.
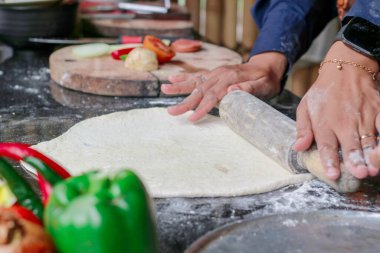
x: 174, y: 158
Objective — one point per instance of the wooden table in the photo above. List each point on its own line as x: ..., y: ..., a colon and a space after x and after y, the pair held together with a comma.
x: 112, y: 24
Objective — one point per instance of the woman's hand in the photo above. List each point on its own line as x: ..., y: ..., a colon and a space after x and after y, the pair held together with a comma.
x: 341, y: 110
x: 260, y: 76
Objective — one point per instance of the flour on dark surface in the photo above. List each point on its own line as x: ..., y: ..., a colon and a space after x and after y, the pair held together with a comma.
x: 200, y: 215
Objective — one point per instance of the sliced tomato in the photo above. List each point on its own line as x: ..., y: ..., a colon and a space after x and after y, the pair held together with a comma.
x: 164, y: 53
x: 117, y: 54
x: 186, y: 45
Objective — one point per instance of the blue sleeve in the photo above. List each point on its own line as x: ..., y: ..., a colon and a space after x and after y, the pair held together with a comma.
x: 290, y: 26
x: 367, y: 9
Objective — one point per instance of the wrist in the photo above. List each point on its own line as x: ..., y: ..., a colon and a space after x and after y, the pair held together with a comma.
x: 340, y: 51
x: 275, y: 62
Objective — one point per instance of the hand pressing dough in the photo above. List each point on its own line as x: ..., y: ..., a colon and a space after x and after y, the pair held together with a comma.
x: 174, y: 158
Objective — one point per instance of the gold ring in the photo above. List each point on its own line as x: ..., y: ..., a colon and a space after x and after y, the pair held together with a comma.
x: 364, y: 136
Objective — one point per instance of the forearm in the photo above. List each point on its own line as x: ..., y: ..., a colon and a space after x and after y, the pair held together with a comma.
x: 289, y: 27
x: 369, y: 10
x: 275, y: 62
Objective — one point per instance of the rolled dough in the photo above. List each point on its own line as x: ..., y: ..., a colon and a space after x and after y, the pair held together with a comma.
x: 174, y: 158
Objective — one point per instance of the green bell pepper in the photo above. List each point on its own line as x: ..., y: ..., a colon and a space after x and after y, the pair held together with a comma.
x: 97, y: 213
x: 24, y: 193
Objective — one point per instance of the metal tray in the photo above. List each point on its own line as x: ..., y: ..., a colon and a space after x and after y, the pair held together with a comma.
x: 27, y: 2
x: 20, y: 22
x: 310, y: 232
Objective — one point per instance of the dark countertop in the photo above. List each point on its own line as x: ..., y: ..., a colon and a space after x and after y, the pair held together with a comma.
x: 35, y: 109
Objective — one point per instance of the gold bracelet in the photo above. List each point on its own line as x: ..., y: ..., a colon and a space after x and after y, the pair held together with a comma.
x: 357, y: 65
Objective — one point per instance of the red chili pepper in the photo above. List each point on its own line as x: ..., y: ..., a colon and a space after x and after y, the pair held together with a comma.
x: 117, y: 54
x: 45, y: 188
x: 25, y: 214
x: 20, y: 151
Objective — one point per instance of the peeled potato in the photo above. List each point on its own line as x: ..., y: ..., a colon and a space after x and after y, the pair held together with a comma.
x: 141, y: 59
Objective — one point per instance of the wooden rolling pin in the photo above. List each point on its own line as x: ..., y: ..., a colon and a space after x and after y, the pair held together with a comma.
x: 274, y: 134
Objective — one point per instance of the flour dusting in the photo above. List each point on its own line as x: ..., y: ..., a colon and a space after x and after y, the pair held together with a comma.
x: 290, y: 223
x: 309, y: 196
x: 315, y: 100
x: 356, y: 157
x: 27, y: 90
x: 43, y: 74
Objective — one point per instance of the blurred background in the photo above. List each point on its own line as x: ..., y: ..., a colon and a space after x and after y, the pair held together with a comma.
x: 229, y: 23
x: 223, y: 22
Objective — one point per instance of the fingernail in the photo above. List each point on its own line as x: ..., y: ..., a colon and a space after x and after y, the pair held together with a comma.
x: 193, y: 117
x: 356, y: 164
x: 170, y: 109
x: 356, y: 157
x: 332, y: 172
x: 362, y: 170
x: 361, y: 167
x: 232, y: 88
x: 196, y: 90
x: 298, y: 140
x: 359, y: 171
x: 373, y: 171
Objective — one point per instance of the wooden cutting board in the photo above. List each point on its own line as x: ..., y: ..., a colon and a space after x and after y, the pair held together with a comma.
x: 117, y: 27
x: 106, y: 76
x: 87, y: 13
